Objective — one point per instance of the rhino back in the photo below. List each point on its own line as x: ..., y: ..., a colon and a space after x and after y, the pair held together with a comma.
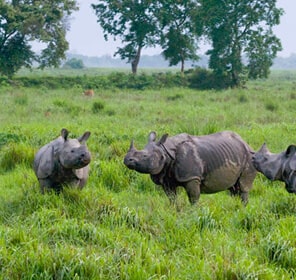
x: 218, y: 149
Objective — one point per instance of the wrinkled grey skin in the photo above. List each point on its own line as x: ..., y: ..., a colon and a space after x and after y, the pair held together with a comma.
x: 201, y: 164
x: 63, y: 161
x: 280, y: 166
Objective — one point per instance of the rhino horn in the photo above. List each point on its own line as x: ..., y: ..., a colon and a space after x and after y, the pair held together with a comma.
x: 64, y: 133
x: 263, y: 149
x: 132, y: 147
x: 82, y: 139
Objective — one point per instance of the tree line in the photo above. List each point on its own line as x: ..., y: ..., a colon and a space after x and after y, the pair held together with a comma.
x: 234, y: 29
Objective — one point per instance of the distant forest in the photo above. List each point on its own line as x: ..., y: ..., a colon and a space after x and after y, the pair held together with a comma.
x: 157, y: 61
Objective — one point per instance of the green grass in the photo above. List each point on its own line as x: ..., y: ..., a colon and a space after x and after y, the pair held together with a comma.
x: 121, y: 226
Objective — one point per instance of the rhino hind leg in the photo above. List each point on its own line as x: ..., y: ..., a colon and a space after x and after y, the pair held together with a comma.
x: 235, y: 189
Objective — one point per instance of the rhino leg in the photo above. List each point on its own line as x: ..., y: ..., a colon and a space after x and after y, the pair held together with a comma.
x: 193, y: 190
x: 171, y: 193
x: 246, y: 183
x: 46, y: 185
x: 244, y: 197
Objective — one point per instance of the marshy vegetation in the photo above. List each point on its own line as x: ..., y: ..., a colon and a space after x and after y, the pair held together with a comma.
x: 121, y: 226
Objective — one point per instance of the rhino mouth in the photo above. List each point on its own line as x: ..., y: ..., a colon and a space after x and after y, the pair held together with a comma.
x: 136, y: 167
x: 80, y: 163
x: 141, y: 169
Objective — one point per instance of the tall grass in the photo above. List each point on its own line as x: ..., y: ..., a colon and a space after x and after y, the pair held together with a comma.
x: 121, y: 226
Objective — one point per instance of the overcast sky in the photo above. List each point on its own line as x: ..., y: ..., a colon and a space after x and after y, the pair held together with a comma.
x: 86, y: 37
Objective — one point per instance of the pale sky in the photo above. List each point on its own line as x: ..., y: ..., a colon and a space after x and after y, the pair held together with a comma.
x: 86, y: 37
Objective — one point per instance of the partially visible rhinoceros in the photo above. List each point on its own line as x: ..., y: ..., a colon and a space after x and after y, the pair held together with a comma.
x: 201, y: 164
x: 63, y: 161
x: 280, y: 166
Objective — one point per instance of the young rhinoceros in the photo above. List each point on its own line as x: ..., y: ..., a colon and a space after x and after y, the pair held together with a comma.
x: 201, y: 164
x: 280, y: 166
x: 63, y: 161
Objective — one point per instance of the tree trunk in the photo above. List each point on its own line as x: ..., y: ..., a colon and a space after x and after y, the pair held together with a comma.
x: 136, y: 60
x: 182, y: 65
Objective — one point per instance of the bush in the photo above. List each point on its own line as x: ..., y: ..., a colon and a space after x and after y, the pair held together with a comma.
x: 198, y: 78
x: 201, y: 78
x: 97, y: 107
x: 74, y: 63
x: 16, y: 153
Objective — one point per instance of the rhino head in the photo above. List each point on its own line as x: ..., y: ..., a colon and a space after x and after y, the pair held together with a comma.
x: 280, y: 166
x: 150, y: 160
x: 74, y: 153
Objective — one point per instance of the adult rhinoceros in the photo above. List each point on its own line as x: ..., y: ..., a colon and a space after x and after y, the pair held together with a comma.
x: 280, y: 166
x: 201, y: 164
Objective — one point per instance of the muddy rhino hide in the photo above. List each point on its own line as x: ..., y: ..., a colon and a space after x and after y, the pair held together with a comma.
x: 187, y: 164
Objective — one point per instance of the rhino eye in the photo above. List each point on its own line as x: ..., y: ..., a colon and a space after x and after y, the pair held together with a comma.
x: 72, y: 151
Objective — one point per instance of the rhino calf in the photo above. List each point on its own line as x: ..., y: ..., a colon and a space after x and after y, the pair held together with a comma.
x: 63, y: 161
x: 281, y: 167
x: 201, y: 164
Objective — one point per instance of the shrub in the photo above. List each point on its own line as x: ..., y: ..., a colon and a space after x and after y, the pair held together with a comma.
x: 16, y: 153
x: 201, y: 78
x: 8, y: 137
x: 271, y: 106
x: 21, y: 99
x: 97, y: 107
x: 74, y: 63
x: 242, y: 98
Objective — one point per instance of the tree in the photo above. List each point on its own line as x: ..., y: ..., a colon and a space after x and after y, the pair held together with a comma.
x: 178, y: 37
x: 240, y: 28
x: 74, y: 63
x: 25, y: 21
x: 133, y: 21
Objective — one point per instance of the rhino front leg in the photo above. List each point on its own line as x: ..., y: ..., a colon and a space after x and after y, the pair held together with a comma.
x: 45, y: 185
x: 193, y: 190
x: 171, y: 193
x: 246, y: 183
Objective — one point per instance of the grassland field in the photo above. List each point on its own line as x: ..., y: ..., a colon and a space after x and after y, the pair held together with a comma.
x: 122, y: 226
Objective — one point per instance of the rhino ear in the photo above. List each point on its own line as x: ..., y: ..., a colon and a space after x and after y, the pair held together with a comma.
x: 82, y: 139
x: 64, y: 133
x: 290, y: 150
x: 151, y: 137
x: 46, y: 163
x: 163, y: 139
x: 290, y: 153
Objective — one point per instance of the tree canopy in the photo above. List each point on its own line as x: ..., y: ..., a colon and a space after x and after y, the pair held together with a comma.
x: 239, y: 31
x: 133, y: 21
x: 178, y: 37
x: 238, y: 28
x: 25, y: 21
